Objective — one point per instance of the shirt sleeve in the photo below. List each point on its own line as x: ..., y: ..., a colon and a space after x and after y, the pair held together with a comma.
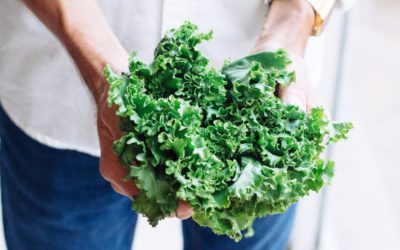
x: 341, y: 4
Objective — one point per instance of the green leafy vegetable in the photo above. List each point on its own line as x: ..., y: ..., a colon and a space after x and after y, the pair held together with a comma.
x: 219, y: 139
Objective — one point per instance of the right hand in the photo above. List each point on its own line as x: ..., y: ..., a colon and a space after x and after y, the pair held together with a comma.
x: 110, y: 168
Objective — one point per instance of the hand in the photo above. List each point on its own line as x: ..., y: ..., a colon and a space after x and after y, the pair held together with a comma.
x: 288, y: 26
x: 300, y: 93
x: 110, y: 168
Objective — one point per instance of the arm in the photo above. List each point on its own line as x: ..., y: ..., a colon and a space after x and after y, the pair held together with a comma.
x: 288, y: 25
x: 83, y: 30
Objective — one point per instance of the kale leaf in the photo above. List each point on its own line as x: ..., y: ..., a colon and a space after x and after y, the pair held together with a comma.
x: 219, y: 139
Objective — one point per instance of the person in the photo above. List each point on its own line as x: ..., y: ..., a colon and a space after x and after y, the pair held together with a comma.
x: 56, y: 128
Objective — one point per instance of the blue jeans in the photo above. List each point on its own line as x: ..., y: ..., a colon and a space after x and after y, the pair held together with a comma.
x: 56, y: 199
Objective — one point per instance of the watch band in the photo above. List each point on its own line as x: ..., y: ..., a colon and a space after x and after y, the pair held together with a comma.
x: 323, y: 9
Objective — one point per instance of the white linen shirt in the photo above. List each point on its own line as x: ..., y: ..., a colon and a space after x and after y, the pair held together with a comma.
x: 41, y: 90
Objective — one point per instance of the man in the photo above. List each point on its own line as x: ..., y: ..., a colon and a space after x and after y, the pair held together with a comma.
x: 52, y: 193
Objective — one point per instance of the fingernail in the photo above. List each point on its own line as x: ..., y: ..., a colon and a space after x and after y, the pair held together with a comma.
x: 297, y: 101
x: 184, y: 211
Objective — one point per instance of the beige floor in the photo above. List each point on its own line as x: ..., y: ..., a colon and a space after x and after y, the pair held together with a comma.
x: 363, y: 209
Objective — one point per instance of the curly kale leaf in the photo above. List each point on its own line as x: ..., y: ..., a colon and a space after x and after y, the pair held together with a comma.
x: 219, y: 139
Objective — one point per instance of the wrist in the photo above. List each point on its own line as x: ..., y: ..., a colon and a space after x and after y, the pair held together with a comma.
x: 91, y: 44
x: 91, y: 54
x: 302, y: 7
x: 288, y: 25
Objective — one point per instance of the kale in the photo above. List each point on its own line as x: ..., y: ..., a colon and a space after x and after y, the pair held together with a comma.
x: 219, y: 139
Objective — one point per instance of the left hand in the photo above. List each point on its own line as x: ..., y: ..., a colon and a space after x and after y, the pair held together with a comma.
x: 110, y: 167
x: 300, y: 93
x: 288, y: 26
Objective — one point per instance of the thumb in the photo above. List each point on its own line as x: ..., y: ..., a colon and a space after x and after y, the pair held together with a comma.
x: 296, y: 99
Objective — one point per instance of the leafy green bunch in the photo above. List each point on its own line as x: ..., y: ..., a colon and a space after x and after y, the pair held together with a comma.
x: 219, y: 139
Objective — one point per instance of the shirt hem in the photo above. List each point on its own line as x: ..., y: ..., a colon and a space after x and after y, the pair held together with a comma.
x: 48, y: 141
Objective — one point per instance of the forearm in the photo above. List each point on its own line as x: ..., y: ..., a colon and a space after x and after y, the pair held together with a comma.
x: 83, y: 30
x: 288, y: 25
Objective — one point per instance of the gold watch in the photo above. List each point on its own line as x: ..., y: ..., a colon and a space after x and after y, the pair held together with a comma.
x: 323, y: 9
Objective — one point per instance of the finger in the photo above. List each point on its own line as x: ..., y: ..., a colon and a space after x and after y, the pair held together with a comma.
x: 296, y: 100
x: 114, y: 172
x: 110, y: 121
x: 127, y: 188
x: 294, y: 96
x: 184, y: 210
x: 312, y: 102
x: 110, y: 167
x: 115, y: 175
x: 117, y: 189
x: 316, y: 102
